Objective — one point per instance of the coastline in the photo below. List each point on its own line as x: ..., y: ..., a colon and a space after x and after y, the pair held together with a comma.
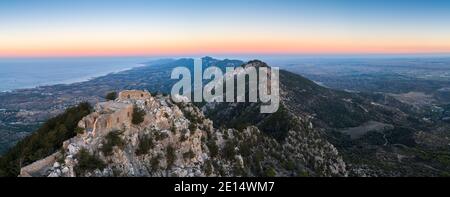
x: 74, y: 80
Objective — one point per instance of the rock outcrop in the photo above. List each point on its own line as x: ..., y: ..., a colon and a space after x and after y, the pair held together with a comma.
x: 176, y: 140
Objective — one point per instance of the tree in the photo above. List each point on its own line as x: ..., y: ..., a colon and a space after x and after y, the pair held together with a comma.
x: 111, y: 96
x: 138, y: 115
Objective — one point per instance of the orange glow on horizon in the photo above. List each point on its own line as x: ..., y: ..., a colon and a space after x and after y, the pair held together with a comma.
x: 144, y: 42
x: 220, y: 47
x: 187, y: 50
x: 165, y: 28
x: 88, y: 44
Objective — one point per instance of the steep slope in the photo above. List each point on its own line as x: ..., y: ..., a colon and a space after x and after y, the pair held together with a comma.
x: 316, y: 132
x: 23, y: 111
x: 371, y: 131
x: 177, y: 140
x: 44, y: 141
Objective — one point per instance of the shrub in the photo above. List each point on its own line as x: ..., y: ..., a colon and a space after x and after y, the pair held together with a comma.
x: 79, y: 130
x: 111, y: 96
x: 245, y: 149
x: 278, y: 124
x: 145, y: 144
x: 61, y: 158
x: 189, y: 155
x: 225, y: 135
x: 213, y: 148
x: 192, y: 127
x: 170, y: 156
x: 302, y: 173
x: 87, y: 162
x: 270, y: 172
x: 183, y: 138
x: 289, y: 165
x: 239, y: 170
x: 113, y: 139
x: 173, y: 129
x: 138, y: 115
x: 160, y: 136
x: 208, y: 167
x: 191, y: 116
x: 229, y: 150
x: 155, y: 162
x: 259, y: 156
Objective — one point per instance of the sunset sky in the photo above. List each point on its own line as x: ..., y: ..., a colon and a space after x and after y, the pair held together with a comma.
x: 177, y: 27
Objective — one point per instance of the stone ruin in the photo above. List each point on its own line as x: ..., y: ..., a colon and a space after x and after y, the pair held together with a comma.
x: 134, y: 95
x: 108, y: 116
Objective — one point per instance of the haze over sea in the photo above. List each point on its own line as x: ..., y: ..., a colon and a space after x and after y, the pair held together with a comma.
x: 19, y: 73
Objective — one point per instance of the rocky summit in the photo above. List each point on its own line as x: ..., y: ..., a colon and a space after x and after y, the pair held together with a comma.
x: 317, y: 131
x: 140, y: 134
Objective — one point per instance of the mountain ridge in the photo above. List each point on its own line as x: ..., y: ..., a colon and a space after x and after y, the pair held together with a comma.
x: 198, y: 149
x: 310, y: 135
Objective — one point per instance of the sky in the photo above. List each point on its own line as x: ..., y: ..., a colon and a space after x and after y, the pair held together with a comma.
x: 48, y: 28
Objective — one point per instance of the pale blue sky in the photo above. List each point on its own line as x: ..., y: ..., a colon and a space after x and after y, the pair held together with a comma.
x: 26, y: 26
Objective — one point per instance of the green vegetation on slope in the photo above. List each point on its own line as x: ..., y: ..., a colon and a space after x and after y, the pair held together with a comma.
x: 44, y: 142
x: 113, y: 139
x: 87, y: 162
x: 278, y: 124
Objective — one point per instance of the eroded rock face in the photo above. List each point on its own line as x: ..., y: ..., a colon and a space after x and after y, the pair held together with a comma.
x: 176, y: 140
x: 164, y: 127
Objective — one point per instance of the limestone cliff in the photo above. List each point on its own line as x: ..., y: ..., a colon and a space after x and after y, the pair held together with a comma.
x: 177, y: 140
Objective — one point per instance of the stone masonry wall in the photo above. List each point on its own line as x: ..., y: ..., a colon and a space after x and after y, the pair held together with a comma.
x: 134, y: 94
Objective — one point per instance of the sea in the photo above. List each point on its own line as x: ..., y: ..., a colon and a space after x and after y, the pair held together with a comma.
x: 21, y: 73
